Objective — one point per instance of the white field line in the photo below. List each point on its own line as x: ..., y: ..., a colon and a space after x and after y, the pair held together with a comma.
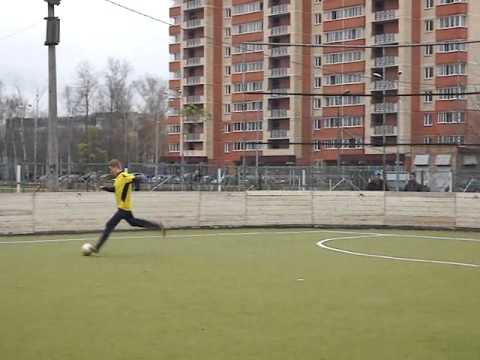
x: 53, y: 241
x: 323, y: 244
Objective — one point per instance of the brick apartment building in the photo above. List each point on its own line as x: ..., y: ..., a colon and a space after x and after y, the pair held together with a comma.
x: 213, y: 70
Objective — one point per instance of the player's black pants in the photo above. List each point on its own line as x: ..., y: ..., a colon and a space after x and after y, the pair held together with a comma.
x: 129, y: 218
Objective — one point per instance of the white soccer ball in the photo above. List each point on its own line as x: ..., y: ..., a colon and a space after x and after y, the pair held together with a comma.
x: 87, y: 249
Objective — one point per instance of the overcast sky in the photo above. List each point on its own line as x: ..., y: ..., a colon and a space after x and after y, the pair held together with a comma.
x: 91, y: 30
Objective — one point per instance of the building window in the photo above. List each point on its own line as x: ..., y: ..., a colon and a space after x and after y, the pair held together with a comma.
x: 228, y: 51
x: 451, y: 117
x: 318, y: 19
x: 345, y: 35
x: 226, y: 109
x: 428, y: 50
x: 429, y: 4
x: 428, y: 119
x: 318, y: 82
x: 317, y: 60
x: 345, y: 13
x: 228, y: 89
x: 453, y: 47
x: 451, y: 69
x: 247, y: 8
x: 174, y: 148
x: 452, y: 21
x: 228, y: 70
x: 429, y: 25
x: 174, y: 129
x: 226, y: 147
x: 428, y: 98
x: 344, y: 57
x: 317, y: 103
x: 249, y: 27
x: 228, y: 12
x: 428, y: 72
x: 428, y: 140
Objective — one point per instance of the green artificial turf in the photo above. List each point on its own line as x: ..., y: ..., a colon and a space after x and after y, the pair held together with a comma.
x: 270, y: 294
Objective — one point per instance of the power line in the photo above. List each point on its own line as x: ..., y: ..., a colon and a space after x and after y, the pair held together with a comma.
x: 349, y: 94
x: 346, y: 46
x: 20, y: 31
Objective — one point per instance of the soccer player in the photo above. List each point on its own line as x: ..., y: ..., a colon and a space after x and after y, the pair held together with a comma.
x: 122, y: 188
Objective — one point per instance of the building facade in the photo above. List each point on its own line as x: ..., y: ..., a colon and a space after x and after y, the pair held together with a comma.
x: 229, y: 97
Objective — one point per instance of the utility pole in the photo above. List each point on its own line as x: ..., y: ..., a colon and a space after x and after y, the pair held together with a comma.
x: 53, y: 39
x: 35, y: 135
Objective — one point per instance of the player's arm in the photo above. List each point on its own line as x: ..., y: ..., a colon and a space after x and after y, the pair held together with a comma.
x: 127, y: 183
x: 107, y: 188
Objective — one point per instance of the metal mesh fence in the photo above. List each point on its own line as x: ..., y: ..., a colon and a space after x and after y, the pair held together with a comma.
x: 175, y: 177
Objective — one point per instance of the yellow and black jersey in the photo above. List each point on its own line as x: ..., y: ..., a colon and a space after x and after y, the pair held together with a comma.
x: 123, y: 187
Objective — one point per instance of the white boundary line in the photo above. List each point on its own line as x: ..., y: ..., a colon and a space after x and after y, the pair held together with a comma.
x: 57, y: 241
x: 323, y: 244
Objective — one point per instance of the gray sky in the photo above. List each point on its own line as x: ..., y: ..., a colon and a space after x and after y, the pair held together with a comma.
x: 91, y: 30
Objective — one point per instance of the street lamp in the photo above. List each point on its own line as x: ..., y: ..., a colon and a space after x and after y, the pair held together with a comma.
x: 52, y: 40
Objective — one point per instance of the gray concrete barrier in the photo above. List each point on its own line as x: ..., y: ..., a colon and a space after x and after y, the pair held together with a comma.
x: 77, y: 212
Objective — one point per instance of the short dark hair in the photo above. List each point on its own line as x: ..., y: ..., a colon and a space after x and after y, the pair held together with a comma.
x: 115, y: 163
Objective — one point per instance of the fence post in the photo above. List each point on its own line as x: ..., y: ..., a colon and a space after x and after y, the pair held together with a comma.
x: 19, y: 178
x: 219, y: 179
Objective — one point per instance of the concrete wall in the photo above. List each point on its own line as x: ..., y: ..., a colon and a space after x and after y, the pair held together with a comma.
x: 64, y: 212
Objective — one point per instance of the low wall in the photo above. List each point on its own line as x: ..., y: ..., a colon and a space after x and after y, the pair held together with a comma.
x: 76, y: 212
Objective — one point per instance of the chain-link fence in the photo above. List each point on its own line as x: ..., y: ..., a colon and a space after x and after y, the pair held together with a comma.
x: 175, y: 177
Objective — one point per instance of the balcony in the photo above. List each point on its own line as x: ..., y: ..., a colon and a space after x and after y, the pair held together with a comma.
x: 386, y: 15
x: 388, y: 38
x: 194, y: 137
x: 196, y: 42
x: 385, y: 130
x: 385, y: 108
x: 193, y: 4
x: 280, y: 51
x: 193, y: 153
x: 173, y: 112
x: 385, y: 85
x: 194, y: 99
x: 279, y: 72
x: 280, y: 9
x: 279, y: 93
x: 279, y: 134
x: 194, y: 80
x: 193, y: 23
x: 280, y: 30
x: 193, y: 120
x: 386, y: 61
x: 279, y: 114
x: 194, y: 61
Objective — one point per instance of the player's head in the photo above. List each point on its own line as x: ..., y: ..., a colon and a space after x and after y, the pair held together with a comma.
x: 115, y: 166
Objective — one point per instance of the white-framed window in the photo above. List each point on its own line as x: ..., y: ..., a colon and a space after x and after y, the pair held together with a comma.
x: 317, y: 103
x: 451, y: 69
x: 343, y: 101
x: 247, y: 106
x: 247, y: 8
x: 344, y: 13
x: 345, y: 35
x: 345, y: 78
x: 228, y: 13
x: 228, y: 89
x: 428, y: 72
x: 246, y: 48
x: 428, y: 98
x: 226, y: 148
x: 428, y: 140
x: 344, y: 57
x: 317, y: 83
x: 429, y: 25
x: 452, y: 93
x: 451, y: 21
x: 248, y: 86
x: 228, y: 70
x: 245, y: 126
x: 317, y: 39
x: 228, y: 32
x: 446, y: 2
x: 451, y: 139
x: 227, y: 109
x: 247, y: 67
x: 317, y: 18
x: 227, y: 51
x: 174, y: 129
x: 452, y: 47
x: 343, y: 122
x: 174, y: 148
x: 317, y: 124
x: 317, y: 61
x: 246, y: 146
x: 428, y: 50
x: 428, y: 119
x: 250, y: 27
x: 451, y: 117
x: 429, y: 4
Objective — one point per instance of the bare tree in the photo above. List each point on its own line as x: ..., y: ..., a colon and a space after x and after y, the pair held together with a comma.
x: 86, y: 86
x: 119, y: 95
x: 152, y: 91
